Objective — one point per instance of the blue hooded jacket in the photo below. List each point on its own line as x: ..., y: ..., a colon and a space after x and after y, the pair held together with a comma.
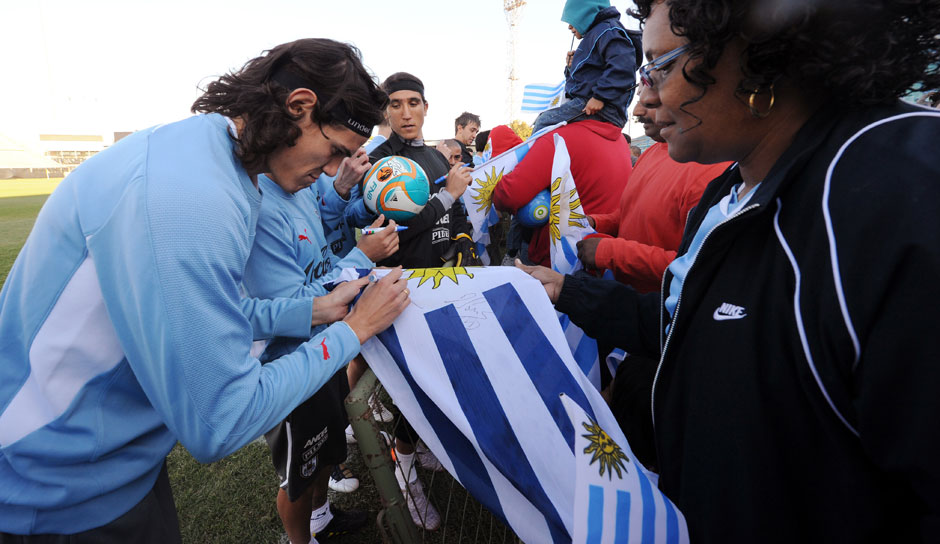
x: 604, y: 65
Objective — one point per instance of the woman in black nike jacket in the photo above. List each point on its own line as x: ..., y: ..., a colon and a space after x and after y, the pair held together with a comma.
x: 797, y: 396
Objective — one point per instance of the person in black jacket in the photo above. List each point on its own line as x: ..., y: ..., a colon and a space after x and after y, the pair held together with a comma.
x: 796, y: 396
x: 440, y: 231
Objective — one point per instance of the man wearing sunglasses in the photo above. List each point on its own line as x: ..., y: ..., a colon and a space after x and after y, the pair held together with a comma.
x: 654, y: 205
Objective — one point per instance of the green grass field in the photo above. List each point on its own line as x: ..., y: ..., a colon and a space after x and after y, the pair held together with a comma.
x: 27, y: 187
x: 17, y: 215
x: 20, y: 200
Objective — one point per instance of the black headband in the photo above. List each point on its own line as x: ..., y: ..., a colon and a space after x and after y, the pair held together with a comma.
x: 338, y: 112
x: 404, y: 85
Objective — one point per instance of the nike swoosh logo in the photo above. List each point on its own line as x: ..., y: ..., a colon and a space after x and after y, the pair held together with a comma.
x: 724, y: 317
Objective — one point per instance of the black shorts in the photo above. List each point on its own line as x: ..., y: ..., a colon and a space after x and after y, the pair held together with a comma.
x: 313, y: 436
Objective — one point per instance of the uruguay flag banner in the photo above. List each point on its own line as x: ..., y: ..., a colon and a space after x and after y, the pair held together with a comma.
x: 537, y: 98
x: 478, y: 198
x: 616, y: 499
x: 568, y: 225
x: 477, y: 363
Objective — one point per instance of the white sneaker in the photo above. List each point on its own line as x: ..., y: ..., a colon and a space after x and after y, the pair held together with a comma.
x: 342, y: 480
x: 422, y: 511
x: 427, y: 459
x: 379, y: 411
x: 350, y: 435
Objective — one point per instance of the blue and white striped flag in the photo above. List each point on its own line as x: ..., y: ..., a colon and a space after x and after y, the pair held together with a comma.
x: 568, y: 225
x: 478, y: 198
x: 537, y: 98
x: 616, y: 499
x: 478, y: 364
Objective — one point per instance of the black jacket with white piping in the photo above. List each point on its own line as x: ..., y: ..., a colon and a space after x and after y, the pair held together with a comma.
x: 798, y: 393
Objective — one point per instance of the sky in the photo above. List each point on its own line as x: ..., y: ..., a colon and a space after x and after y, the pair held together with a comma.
x: 100, y: 66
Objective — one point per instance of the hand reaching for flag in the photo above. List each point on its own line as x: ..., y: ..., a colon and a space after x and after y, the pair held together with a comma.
x: 552, y: 281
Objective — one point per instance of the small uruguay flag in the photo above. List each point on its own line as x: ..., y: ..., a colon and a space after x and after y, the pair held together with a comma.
x: 537, y: 98
x: 568, y: 225
x: 478, y: 198
x: 616, y: 499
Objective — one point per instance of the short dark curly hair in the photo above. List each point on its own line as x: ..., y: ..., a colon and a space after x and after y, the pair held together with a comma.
x: 335, y: 70
x: 465, y: 119
x: 858, y: 52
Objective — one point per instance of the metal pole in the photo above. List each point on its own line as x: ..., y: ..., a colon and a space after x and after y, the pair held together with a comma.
x: 377, y: 459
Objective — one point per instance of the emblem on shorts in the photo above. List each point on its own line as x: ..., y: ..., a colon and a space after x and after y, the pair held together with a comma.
x: 307, y: 469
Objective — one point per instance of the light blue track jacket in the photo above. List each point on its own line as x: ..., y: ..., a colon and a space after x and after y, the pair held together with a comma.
x: 291, y: 256
x: 122, y: 331
x: 342, y: 236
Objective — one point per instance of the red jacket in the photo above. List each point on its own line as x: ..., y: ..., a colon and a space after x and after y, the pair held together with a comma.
x: 600, y: 165
x: 653, y: 209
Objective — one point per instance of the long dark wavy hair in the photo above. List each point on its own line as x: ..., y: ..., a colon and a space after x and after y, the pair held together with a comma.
x: 335, y: 70
x: 855, y: 52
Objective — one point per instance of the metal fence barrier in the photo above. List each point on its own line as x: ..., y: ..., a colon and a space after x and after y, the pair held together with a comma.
x: 463, y: 519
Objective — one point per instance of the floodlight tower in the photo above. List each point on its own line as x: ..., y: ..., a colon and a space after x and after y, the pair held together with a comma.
x: 513, y: 11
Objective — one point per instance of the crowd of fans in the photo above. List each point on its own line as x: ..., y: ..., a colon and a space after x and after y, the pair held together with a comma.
x: 772, y: 252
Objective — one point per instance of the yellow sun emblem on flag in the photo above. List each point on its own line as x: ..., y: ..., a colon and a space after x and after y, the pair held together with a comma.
x: 484, y: 193
x: 437, y: 274
x: 605, y: 451
x: 555, y: 101
x: 575, y: 218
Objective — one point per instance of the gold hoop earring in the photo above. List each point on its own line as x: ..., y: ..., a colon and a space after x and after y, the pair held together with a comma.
x: 751, y: 99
